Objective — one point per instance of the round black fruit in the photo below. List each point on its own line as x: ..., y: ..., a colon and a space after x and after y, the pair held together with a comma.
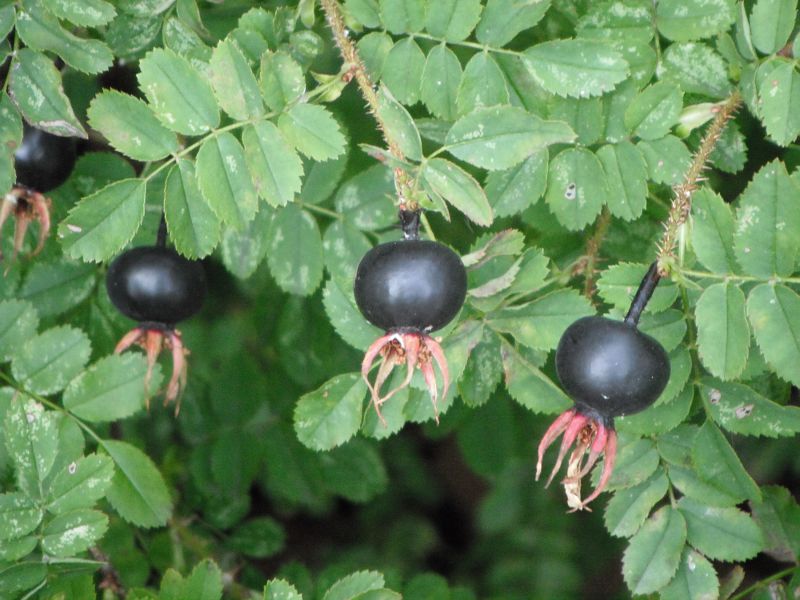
x: 43, y: 161
x: 410, y: 285
x: 155, y: 284
x: 610, y: 366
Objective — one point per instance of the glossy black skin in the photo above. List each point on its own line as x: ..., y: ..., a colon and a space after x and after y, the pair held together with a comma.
x: 156, y: 285
x: 410, y: 285
x: 610, y: 368
x: 43, y: 161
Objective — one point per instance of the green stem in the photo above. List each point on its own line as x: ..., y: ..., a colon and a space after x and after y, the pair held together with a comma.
x: 766, y: 581
x: 321, y: 210
x: 734, y: 277
x: 473, y: 45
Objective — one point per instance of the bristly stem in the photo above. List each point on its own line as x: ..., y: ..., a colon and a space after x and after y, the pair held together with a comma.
x: 682, y: 201
x: 588, y: 265
x: 643, y: 294
x: 347, y: 48
x: 161, y: 236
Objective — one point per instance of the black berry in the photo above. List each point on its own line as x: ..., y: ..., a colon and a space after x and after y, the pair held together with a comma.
x: 43, y: 161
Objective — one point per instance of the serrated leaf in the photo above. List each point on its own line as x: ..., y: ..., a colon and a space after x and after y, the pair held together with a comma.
x: 696, y: 68
x: 234, y: 84
x: 654, y: 111
x: 18, y: 323
x: 513, y: 190
x: 501, y: 21
x: 453, y: 20
x: 281, y: 79
x: 274, y: 165
x: 654, y: 553
x: 618, y: 284
x: 399, y: 125
x: 138, y: 492
x: 665, y: 415
x: 243, y: 251
x: 225, y: 182
x: 32, y: 443
x: 441, y: 78
x: 194, y: 228
x: 774, y: 313
x: 18, y: 516
x: 101, y: 224
x: 203, y: 583
x: 313, y: 131
x: 366, y: 12
x: 343, y: 247
x: 528, y: 385
x: 345, y: 316
x: 576, y: 187
x: 112, y: 388
x: 459, y: 188
x: 778, y: 516
x: 354, y: 585
x: 626, y: 177
x: 403, y: 16
x: 636, y: 462
x: 15, y: 549
x: 128, y: 35
x: 22, y: 576
x: 373, y: 49
x: 667, y: 159
x: 717, y: 463
x: 628, y: 509
x: 577, y: 67
x: 37, y: 91
x: 130, y: 126
x: 179, y: 94
x: 294, y: 250
x: 482, y: 84
x: 712, y: 231
x: 330, y: 415
x: 780, y: 102
x: 725, y: 534
x: 695, y: 578
x: 502, y: 136
x: 367, y: 200
x: 771, y: 24
x: 723, y: 337
x: 402, y: 70
x: 684, y: 20
x: 87, y: 13
x: 47, y: 362
x: 73, y: 532
x: 56, y: 287
x: 81, y: 484
x: 280, y: 589
x: 40, y: 30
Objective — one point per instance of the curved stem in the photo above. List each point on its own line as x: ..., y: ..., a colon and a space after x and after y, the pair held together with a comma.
x: 766, y: 581
x: 643, y: 294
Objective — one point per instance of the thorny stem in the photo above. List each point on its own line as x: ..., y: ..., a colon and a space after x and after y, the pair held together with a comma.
x: 682, y: 201
x: 402, y: 180
x: 588, y: 264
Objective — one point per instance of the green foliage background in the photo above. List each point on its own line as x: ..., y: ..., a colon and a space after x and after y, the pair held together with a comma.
x: 527, y: 128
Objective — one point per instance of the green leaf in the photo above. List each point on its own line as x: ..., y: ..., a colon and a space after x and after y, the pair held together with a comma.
x: 355, y: 471
x: 18, y: 516
x: 194, y: 228
x: 453, y: 20
x: 576, y: 187
x: 180, y: 95
x: 725, y: 534
x: 354, y: 585
x: 774, y: 313
x: 280, y: 589
x: 696, y: 68
x: 345, y: 316
x: 654, y: 110
x: 330, y: 415
x: 637, y: 460
x: 459, y: 188
x: 626, y: 176
x: 260, y: 537
x: 294, y: 250
x: 501, y: 21
x: 771, y: 24
x: 502, y: 136
x: 539, y: 324
x: 780, y: 102
x: 695, y: 578
x: 18, y: 323
x: 101, y: 224
x: 778, y: 517
x: 81, y: 484
x: 740, y: 409
x: 723, y: 337
x: 32, y: 443
x: 685, y: 20
x: 111, y: 389
x: 40, y: 30
x: 665, y: 415
x: 718, y: 464
x: 243, y: 251
x: 129, y: 36
x: 281, y: 79
x: 768, y: 219
x: 71, y: 533
x: 373, y: 49
x: 37, y: 90
x: 86, y: 13
x: 712, y: 231
x: 138, y: 492
x: 628, y: 509
x: 367, y: 200
x: 130, y: 126
x: 313, y: 131
x: 513, y: 190
x: 577, y: 67
x: 667, y: 159
x: 403, y: 16
x: 274, y: 165
x: 234, y: 84
x: 203, y: 583
x: 402, y: 69
x: 441, y: 79
x: 16, y: 549
x: 399, y: 125
x: 618, y: 284
x: 343, y: 247
x: 22, y: 576
x: 225, y: 182
x: 47, y: 362
x: 482, y: 84
x: 56, y: 287
x: 654, y: 553
x: 528, y: 385
x: 366, y: 12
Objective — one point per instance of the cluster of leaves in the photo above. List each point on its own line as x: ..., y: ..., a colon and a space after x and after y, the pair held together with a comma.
x: 241, y: 132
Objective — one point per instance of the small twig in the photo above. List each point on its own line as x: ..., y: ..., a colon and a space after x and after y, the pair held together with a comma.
x: 111, y: 580
x: 358, y: 71
x: 588, y: 263
x: 682, y: 202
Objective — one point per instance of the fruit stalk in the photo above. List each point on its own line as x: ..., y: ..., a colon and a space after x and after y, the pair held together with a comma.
x: 402, y: 180
x: 161, y: 236
x: 682, y: 201
x: 643, y: 294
